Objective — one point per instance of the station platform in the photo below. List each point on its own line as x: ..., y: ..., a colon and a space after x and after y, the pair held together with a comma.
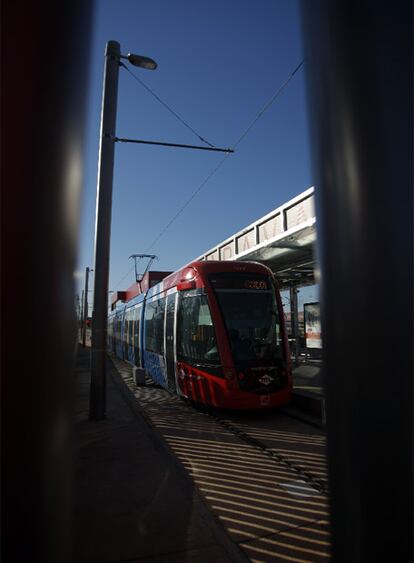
x: 308, y: 401
x: 133, y: 500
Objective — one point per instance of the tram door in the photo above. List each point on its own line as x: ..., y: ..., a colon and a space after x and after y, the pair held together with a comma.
x: 169, y: 342
x: 137, y: 320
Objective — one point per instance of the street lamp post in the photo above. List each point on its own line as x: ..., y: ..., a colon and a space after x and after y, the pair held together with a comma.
x: 97, y: 401
x: 85, y: 306
x: 103, y: 231
x: 81, y: 312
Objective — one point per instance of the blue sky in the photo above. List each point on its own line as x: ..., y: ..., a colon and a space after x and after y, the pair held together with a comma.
x: 219, y: 62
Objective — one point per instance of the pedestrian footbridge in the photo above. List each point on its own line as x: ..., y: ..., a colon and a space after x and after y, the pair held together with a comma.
x: 284, y: 240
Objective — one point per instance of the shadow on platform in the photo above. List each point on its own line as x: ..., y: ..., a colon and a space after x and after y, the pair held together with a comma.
x: 133, y: 500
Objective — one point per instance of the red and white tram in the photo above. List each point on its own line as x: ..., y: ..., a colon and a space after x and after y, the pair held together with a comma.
x: 213, y: 332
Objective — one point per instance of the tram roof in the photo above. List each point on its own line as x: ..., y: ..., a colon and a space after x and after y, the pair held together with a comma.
x: 284, y: 240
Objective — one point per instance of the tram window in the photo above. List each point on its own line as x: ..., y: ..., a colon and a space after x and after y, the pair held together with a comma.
x: 126, y: 327
x: 253, y: 325
x: 137, y: 314
x: 131, y: 327
x: 196, y: 340
x: 117, y: 329
x: 154, y: 326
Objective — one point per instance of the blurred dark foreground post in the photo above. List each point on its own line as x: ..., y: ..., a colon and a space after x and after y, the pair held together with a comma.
x: 359, y: 69
x: 45, y: 55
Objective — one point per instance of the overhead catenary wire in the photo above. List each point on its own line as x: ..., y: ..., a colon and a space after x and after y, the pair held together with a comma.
x: 267, y: 105
x: 225, y: 157
x: 233, y: 147
x: 121, y: 280
x: 187, y: 203
x: 202, y: 139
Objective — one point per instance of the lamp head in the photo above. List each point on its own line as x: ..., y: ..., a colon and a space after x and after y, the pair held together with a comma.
x: 143, y: 62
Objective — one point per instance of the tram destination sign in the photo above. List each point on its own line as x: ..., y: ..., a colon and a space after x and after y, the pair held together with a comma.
x: 240, y: 281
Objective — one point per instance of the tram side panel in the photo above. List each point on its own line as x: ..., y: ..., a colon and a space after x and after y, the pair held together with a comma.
x: 118, y: 332
x: 132, y: 332
x: 170, y: 356
x: 137, y: 348
x: 153, y: 344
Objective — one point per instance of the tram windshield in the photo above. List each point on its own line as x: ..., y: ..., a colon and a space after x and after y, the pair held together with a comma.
x: 195, y: 331
x: 251, y: 316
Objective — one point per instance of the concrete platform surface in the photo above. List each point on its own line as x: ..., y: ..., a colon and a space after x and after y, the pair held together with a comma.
x: 133, y: 500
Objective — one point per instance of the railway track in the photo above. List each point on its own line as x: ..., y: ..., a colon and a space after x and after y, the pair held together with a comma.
x: 262, y: 474
x: 303, y: 469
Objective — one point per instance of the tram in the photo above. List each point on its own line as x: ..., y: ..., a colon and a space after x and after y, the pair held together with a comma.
x: 212, y: 332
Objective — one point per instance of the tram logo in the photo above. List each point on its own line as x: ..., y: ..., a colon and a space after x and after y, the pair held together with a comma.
x: 266, y: 379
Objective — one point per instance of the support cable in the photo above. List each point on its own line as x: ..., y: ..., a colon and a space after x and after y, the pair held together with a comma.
x: 221, y: 162
x: 122, y: 279
x: 239, y: 140
x: 167, y: 106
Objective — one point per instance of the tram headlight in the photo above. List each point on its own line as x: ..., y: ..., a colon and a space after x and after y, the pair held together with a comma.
x: 188, y: 280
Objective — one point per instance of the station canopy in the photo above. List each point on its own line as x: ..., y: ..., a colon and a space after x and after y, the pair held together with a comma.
x: 284, y: 240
